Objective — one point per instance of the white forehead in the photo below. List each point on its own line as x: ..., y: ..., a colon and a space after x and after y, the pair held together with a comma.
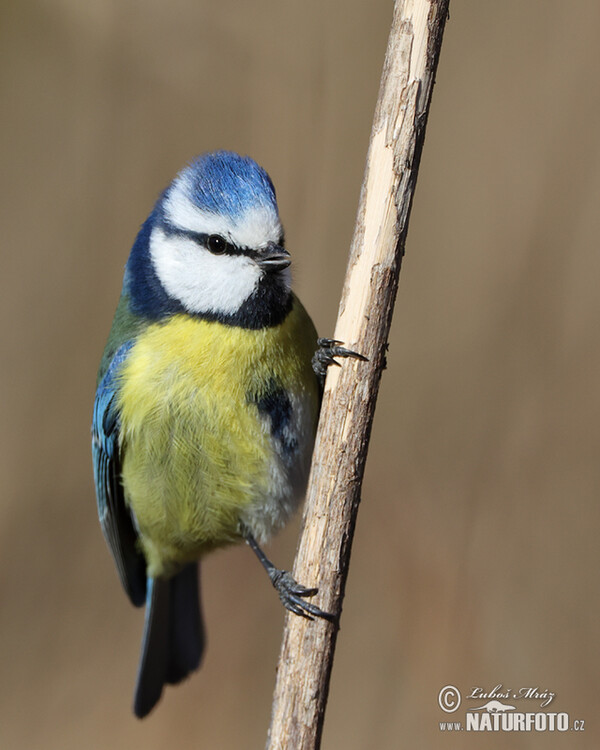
x: 255, y: 227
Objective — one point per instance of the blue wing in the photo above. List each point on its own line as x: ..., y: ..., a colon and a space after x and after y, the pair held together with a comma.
x: 116, y: 520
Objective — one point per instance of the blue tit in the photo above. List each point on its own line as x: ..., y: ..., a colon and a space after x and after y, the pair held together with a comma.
x: 207, y: 403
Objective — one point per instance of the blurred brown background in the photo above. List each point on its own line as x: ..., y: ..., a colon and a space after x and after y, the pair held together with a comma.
x: 476, y: 553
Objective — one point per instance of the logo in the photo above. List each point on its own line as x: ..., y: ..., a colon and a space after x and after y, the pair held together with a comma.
x: 449, y: 699
x: 493, y: 707
x: 505, y: 710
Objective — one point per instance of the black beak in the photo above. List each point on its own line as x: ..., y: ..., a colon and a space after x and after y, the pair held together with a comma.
x: 273, y: 257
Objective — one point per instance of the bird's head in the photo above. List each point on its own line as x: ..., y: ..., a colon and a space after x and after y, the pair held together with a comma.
x: 213, y: 247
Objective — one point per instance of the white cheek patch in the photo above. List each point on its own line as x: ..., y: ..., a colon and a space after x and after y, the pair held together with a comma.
x: 201, y: 281
x: 257, y: 226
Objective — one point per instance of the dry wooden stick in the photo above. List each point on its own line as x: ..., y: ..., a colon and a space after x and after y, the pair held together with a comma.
x: 349, y: 402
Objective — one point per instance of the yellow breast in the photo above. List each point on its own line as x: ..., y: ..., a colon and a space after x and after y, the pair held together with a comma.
x: 198, y: 454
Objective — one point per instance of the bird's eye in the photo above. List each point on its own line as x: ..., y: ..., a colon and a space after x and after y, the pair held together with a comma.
x: 216, y: 244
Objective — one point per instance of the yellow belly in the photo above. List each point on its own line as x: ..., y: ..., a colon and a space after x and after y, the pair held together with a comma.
x: 198, y: 455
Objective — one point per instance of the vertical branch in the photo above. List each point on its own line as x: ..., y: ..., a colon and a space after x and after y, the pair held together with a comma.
x: 349, y: 401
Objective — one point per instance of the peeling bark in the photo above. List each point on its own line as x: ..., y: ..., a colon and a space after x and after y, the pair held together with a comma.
x: 363, y: 324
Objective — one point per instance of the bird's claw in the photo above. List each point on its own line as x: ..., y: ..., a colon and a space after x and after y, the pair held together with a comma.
x: 326, y: 352
x: 292, y: 596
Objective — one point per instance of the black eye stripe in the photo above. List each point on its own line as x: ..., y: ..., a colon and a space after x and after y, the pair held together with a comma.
x: 206, y: 240
x: 203, y: 239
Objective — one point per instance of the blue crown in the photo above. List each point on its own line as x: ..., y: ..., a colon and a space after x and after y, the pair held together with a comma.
x: 224, y: 182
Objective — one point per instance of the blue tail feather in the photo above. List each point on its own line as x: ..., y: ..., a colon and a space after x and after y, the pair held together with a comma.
x: 186, y: 636
x: 173, y: 639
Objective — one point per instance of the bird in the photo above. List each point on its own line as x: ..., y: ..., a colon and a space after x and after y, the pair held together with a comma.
x: 207, y: 400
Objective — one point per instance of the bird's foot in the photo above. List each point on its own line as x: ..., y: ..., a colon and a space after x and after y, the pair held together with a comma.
x: 325, y: 355
x: 292, y: 595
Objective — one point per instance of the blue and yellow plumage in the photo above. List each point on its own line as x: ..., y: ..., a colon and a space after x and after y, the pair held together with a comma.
x: 207, y: 403
x: 200, y: 452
